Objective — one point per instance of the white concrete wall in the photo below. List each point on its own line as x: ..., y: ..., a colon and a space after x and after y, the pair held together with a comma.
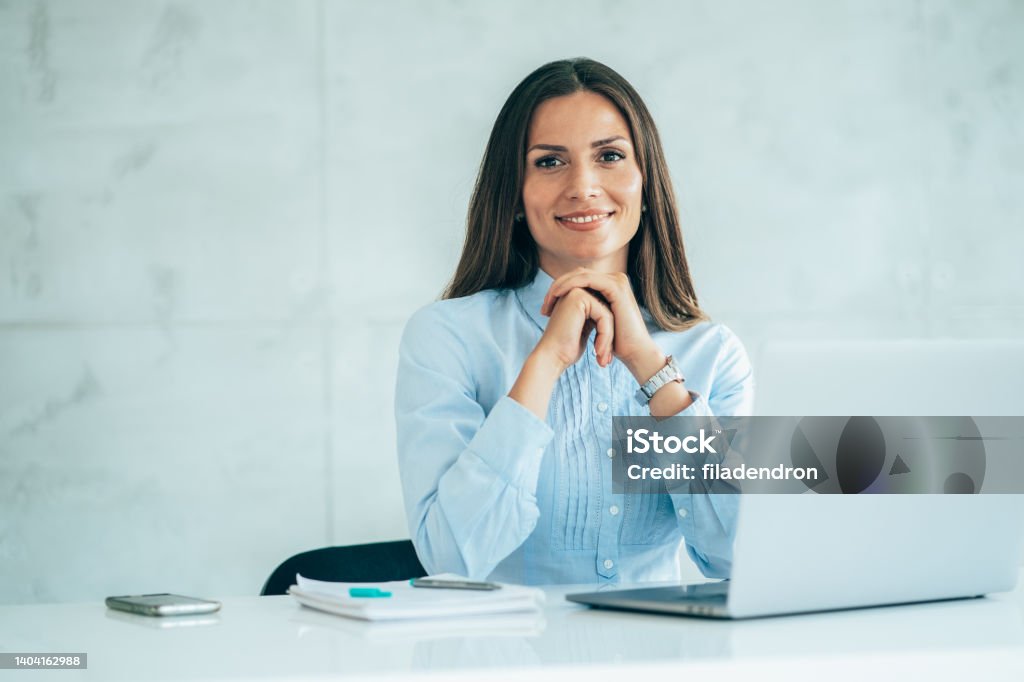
x: 216, y: 216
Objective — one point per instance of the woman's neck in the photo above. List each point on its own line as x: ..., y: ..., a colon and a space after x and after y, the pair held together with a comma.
x: 556, y: 267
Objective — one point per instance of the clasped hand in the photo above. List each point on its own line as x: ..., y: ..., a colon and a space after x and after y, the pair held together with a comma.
x: 582, y: 300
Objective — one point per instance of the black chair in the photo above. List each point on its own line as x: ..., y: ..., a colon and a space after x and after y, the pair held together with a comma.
x: 374, y: 562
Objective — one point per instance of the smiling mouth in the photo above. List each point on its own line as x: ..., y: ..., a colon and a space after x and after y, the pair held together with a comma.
x: 584, y: 222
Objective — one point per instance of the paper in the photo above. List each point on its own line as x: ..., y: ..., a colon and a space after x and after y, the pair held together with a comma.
x: 408, y: 602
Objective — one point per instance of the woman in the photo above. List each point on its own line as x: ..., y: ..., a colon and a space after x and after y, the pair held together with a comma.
x: 572, y: 292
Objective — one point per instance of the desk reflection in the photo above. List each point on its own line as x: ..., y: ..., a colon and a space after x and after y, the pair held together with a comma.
x: 570, y: 633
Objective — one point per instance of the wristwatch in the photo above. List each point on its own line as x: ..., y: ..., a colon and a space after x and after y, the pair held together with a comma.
x: 667, y: 374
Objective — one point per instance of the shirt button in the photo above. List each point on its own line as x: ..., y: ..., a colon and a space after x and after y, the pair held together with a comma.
x: 613, y: 510
x: 611, y: 452
x: 682, y: 513
x: 608, y: 563
x: 602, y: 406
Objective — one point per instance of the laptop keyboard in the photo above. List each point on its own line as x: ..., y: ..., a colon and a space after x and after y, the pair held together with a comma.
x: 716, y: 591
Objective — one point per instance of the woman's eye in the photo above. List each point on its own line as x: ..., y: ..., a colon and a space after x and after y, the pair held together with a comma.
x: 611, y: 156
x: 547, y: 162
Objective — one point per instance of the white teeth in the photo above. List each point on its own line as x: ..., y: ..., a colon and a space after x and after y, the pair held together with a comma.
x: 586, y: 219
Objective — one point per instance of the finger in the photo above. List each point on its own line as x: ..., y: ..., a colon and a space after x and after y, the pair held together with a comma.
x: 605, y: 339
x: 596, y: 315
x: 611, y: 286
x: 550, y: 299
x: 547, y: 308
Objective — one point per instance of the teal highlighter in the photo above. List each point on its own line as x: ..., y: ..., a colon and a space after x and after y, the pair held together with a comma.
x: 369, y: 592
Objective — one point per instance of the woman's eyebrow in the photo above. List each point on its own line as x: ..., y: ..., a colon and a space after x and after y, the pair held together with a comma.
x: 608, y: 140
x: 559, y: 148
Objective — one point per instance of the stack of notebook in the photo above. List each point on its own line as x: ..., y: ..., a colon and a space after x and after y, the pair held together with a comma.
x: 403, y: 601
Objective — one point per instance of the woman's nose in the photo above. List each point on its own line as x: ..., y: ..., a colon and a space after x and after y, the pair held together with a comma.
x: 583, y: 183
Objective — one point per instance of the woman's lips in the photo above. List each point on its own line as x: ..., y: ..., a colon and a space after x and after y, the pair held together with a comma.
x: 592, y: 223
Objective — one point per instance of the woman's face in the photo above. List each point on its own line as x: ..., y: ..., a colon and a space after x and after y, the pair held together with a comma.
x: 583, y: 189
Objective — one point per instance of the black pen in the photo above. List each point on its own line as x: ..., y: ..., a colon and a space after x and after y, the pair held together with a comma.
x: 453, y: 584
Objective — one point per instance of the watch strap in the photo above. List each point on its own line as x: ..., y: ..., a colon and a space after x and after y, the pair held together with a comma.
x: 666, y: 375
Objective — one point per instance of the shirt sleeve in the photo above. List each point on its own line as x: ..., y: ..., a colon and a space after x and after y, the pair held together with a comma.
x: 708, y: 521
x: 469, y: 476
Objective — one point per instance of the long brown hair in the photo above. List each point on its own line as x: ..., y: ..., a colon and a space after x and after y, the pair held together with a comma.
x: 499, y: 252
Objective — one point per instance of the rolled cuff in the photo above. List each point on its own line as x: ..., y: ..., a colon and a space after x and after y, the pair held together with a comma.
x: 698, y: 407
x: 511, y: 441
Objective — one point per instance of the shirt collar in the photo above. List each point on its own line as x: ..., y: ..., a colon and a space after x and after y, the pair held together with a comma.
x: 531, y: 297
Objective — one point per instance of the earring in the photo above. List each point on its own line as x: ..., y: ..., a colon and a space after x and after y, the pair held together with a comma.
x: 519, y: 217
x: 643, y: 208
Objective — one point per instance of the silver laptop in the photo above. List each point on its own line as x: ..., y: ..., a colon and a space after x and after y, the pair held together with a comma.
x: 803, y: 553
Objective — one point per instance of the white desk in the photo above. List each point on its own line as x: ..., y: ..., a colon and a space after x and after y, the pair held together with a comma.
x: 270, y: 638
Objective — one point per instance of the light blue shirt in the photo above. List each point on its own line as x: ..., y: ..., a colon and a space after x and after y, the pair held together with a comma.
x: 491, y: 491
